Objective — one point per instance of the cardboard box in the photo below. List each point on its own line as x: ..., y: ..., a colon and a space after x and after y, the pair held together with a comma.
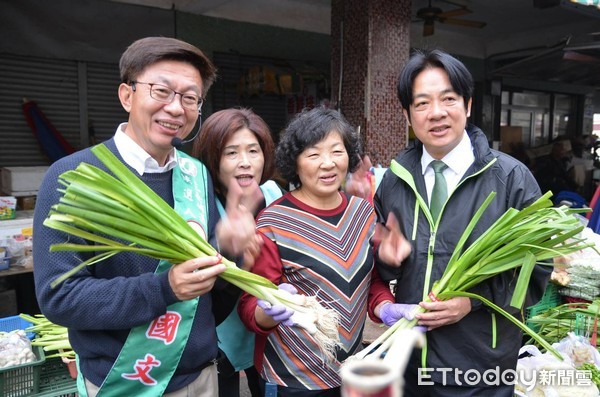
x: 510, y: 135
x: 22, y: 225
x: 22, y: 181
x: 26, y: 203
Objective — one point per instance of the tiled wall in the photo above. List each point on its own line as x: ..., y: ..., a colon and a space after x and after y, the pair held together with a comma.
x: 369, y: 44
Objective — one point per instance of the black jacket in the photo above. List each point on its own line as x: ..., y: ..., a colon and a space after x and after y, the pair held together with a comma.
x: 467, y: 344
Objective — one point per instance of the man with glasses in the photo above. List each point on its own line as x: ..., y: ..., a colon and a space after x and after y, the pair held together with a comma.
x: 117, y: 309
x: 162, y: 93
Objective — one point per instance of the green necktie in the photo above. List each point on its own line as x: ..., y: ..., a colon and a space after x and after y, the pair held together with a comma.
x: 440, y: 189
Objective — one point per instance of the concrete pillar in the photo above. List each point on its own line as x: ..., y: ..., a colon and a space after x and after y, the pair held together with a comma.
x: 370, y: 41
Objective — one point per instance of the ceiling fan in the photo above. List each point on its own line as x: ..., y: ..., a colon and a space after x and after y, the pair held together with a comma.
x: 429, y: 15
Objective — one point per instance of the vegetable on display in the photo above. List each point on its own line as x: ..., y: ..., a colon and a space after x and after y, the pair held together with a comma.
x: 15, y: 349
x: 50, y: 336
x: 555, y: 323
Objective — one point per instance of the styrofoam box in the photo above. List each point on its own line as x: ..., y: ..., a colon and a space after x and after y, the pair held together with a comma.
x: 17, y: 235
x: 22, y: 181
x: 21, y: 226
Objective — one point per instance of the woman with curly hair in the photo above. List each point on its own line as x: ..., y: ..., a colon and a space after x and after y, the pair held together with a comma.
x: 316, y: 238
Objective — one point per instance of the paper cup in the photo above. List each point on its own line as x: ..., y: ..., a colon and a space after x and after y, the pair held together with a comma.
x: 370, y: 378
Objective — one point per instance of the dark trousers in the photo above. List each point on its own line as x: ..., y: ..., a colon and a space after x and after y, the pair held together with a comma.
x: 229, y: 379
x: 253, y: 379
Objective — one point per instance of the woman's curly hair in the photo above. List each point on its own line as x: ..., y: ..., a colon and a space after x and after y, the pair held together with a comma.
x: 308, y: 128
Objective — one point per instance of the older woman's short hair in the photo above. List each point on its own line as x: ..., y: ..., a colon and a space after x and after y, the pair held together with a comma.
x: 307, y: 129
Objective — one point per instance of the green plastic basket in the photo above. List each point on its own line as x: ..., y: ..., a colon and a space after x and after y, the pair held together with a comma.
x: 550, y: 299
x: 55, y: 380
x: 22, y: 380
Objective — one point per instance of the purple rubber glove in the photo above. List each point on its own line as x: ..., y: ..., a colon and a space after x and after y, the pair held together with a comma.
x: 279, y: 313
x: 392, y: 312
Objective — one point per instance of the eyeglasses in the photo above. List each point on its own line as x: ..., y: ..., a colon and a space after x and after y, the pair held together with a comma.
x: 162, y: 93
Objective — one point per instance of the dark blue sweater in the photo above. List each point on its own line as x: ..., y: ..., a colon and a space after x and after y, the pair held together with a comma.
x: 101, y: 304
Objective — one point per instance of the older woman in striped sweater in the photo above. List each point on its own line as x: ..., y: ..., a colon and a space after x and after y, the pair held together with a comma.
x: 316, y: 238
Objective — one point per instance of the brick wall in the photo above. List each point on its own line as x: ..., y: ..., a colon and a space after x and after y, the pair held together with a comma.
x: 370, y: 40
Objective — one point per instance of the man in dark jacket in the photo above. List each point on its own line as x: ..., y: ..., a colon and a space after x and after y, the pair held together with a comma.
x: 435, y: 91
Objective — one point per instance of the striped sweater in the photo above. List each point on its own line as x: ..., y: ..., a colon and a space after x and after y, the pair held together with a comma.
x: 324, y: 254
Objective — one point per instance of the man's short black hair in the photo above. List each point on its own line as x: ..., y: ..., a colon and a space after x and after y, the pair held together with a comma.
x: 460, y: 77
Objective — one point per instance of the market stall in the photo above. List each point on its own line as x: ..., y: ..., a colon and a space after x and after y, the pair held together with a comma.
x: 567, y: 318
x: 26, y: 369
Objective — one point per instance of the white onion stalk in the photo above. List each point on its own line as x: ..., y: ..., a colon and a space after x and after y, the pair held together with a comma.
x: 320, y: 322
x: 96, y: 204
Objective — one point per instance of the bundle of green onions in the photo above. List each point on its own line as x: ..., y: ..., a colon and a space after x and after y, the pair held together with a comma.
x: 556, y: 322
x: 50, y: 336
x: 96, y: 204
x: 519, y: 239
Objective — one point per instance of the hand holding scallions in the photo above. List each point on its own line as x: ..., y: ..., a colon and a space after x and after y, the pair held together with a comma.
x: 441, y: 313
x: 516, y: 242
x: 390, y: 313
x: 269, y: 316
x: 120, y: 213
x: 195, y: 277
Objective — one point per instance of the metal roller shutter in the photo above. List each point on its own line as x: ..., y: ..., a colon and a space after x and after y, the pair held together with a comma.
x: 52, y: 84
x: 78, y: 98
x: 105, y: 110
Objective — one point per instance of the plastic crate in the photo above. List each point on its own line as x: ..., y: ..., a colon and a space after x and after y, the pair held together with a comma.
x: 22, y: 380
x: 55, y: 380
x: 550, y: 299
x: 12, y: 323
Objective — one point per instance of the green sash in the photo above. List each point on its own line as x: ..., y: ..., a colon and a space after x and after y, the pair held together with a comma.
x: 152, y: 351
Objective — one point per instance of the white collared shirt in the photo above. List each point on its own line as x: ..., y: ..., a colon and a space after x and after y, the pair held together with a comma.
x: 458, y: 161
x: 137, y: 158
